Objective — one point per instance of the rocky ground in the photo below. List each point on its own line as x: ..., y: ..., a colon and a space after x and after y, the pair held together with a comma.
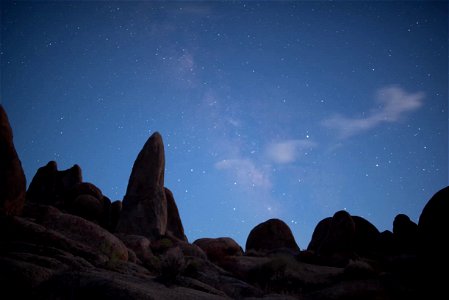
x: 63, y: 239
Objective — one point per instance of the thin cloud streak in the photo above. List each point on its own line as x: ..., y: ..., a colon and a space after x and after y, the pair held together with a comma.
x: 246, y: 172
x: 288, y: 151
x: 395, y: 103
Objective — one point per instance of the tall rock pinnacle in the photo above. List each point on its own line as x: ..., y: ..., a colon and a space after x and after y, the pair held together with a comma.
x: 12, y: 178
x: 145, y: 205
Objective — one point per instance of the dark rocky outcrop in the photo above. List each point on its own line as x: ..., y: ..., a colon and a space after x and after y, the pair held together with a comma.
x: 433, y: 240
x: 218, y: 249
x: 52, y: 187
x: 271, y: 235
x: 139, y: 244
x: 343, y: 236
x: 54, y: 248
x: 12, y: 178
x: 319, y: 234
x: 433, y: 225
x: 144, y: 210
x: 174, y: 224
x: 366, y: 238
x: 66, y: 191
x: 339, y: 241
x: 405, y: 233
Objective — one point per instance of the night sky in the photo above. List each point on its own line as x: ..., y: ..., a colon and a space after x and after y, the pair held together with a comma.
x: 291, y: 110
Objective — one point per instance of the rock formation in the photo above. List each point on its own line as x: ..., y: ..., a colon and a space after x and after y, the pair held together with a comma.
x: 339, y: 241
x: 218, y: 249
x: 174, y: 224
x: 144, y: 210
x: 271, y: 235
x: 12, y: 178
x: 366, y: 238
x: 344, y: 236
x: 433, y: 225
x: 55, y: 249
x: 405, y: 233
x: 433, y: 241
x: 319, y: 234
x: 52, y: 187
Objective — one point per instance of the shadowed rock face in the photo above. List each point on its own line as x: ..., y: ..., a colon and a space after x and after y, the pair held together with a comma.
x: 433, y: 228
x: 174, y: 223
x: 405, y: 233
x: 340, y: 236
x: 319, y: 234
x: 53, y: 187
x: 367, y: 237
x: 144, y: 209
x: 12, y: 178
x: 433, y: 241
x: 219, y: 248
x: 271, y: 235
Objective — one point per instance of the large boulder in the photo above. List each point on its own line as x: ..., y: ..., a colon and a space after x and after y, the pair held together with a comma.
x: 217, y: 249
x: 52, y: 187
x: 87, y: 207
x: 12, y: 178
x: 144, y: 210
x: 87, y: 201
x: 343, y: 236
x: 319, y: 234
x: 174, y: 224
x: 340, y: 236
x: 87, y: 233
x: 333, y: 240
x: 271, y: 235
x: 433, y: 235
x: 140, y: 245
x: 366, y: 237
x: 405, y: 233
x: 433, y: 225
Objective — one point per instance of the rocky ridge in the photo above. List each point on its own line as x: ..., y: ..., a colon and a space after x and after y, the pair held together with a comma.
x: 64, y: 239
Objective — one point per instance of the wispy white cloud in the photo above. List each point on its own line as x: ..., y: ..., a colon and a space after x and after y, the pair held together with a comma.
x: 246, y: 172
x: 394, y: 103
x: 288, y: 151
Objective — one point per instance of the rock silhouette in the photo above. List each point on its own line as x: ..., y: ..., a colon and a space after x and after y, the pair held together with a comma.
x: 433, y: 240
x: 271, y: 235
x: 338, y: 245
x: 319, y: 234
x: 433, y: 225
x: 342, y: 237
x: 61, y: 245
x: 405, y: 233
x: 144, y: 207
x: 52, y: 187
x: 12, y: 178
x: 366, y: 238
x: 174, y: 224
x: 219, y: 248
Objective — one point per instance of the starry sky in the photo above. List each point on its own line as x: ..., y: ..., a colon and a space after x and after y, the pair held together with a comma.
x: 289, y: 110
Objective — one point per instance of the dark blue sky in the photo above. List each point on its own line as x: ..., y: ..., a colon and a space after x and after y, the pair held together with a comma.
x: 291, y: 110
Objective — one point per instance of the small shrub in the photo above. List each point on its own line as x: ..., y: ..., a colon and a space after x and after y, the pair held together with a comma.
x: 172, y: 265
x: 193, y: 267
x: 161, y: 246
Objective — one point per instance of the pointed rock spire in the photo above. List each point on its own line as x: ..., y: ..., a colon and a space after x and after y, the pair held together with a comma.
x: 144, y: 209
x: 12, y: 178
x: 174, y: 224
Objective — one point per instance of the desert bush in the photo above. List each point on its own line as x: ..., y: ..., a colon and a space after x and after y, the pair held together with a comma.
x: 276, y: 275
x: 192, y: 267
x: 161, y: 246
x: 172, y: 264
